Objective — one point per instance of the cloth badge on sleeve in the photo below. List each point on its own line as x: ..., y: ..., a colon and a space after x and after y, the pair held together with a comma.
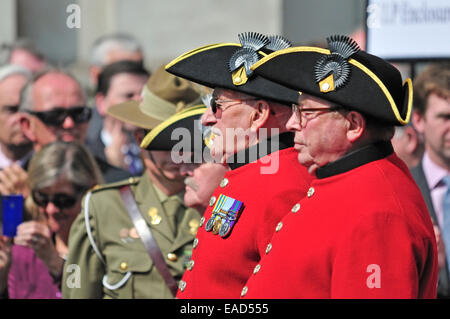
x: 224, y: 215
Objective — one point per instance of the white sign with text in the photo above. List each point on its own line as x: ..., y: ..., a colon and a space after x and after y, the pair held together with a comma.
x: 408, y: 29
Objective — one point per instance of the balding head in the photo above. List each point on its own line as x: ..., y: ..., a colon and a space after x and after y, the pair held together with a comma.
x: 50, y: 100
x: 56, y: 89
x: 51, y: 83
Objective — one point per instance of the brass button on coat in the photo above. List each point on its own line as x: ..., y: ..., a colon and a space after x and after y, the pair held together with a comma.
x: 269, y: 248
x: 224, y: 182
x: 172, y: 257
x: 202, y: 221
x: 257, y: 268
x: 123, y: 265
x: 194, y: 245
x: 295, y: 208
x: 279, y: 226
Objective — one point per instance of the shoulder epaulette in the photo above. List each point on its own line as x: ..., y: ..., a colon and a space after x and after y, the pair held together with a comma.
x: 129, y: 181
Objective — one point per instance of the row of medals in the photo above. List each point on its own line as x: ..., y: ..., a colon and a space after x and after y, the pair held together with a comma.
x: 215, y: 223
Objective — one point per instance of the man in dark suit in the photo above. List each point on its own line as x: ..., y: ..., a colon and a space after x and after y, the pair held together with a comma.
x: 432, y: 119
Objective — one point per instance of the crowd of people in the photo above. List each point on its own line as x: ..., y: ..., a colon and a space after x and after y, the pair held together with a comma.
x: 319, y: 173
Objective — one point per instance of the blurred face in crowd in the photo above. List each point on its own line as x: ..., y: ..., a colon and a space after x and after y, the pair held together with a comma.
x: 201, y: 183
x: 60, y: 203
x: 408, y: 145
x: 160, y: 166
x: 10, y: 132
x: 123, y: 87
x: 434, y: 124
x: 59, y: 111
x: 320, y: 134
x: 161, y: 163
x: 27, y: 60
x: 231, y: 123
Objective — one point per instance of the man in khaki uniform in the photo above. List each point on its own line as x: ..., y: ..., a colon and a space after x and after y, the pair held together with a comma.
x: 112, y: 259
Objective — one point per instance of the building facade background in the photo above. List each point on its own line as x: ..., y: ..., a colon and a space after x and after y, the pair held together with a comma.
x: 167, y: 28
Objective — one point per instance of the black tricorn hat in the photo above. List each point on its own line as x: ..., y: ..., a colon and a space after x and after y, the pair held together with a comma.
x: 160, y: 138
x: 227, y: 65
x: 345, y: 75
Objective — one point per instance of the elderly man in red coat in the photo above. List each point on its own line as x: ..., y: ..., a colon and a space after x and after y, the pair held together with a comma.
x: 363, y: 230
x: 247, y: 118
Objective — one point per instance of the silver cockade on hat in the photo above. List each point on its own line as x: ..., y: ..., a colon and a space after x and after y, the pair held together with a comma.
x: 241, y: 61
x: 333, y: 71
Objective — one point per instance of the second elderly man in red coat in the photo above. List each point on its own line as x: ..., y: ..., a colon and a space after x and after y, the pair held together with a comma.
x: 363, y: 230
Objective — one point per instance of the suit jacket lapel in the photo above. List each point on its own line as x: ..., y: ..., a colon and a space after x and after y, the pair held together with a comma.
x: 421, y: 181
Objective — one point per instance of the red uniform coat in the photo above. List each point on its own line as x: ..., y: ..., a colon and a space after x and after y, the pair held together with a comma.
x: 360, y: 233
x: 220, y: 266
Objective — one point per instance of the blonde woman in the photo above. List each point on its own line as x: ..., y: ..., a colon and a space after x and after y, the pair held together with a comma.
x: 59, y: 175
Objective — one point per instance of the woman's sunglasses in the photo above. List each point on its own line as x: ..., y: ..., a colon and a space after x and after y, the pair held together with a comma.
x: 60, y: 200
x: 57, y: 116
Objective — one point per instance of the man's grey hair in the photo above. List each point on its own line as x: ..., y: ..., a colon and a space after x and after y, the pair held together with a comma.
x: 117, y: 41
x: 23, y: 44
x: 400, y: 131
x: 12, y: 69
x: 26, y: 96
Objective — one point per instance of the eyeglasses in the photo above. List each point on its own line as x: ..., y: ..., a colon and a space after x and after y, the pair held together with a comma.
x: 60, y: 200
x: 57, y: 116
x: 311, y: 113
x: 217, y: 104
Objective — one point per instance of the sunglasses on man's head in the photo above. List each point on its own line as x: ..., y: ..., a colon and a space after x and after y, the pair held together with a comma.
x: 60, y: 200
x: 57, y: 116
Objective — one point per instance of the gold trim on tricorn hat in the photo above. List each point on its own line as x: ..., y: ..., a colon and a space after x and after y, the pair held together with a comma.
x: 228, y: 66
x: 160, y: 137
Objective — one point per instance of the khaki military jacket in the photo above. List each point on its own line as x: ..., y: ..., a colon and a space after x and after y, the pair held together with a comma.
x: 122, y: 267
